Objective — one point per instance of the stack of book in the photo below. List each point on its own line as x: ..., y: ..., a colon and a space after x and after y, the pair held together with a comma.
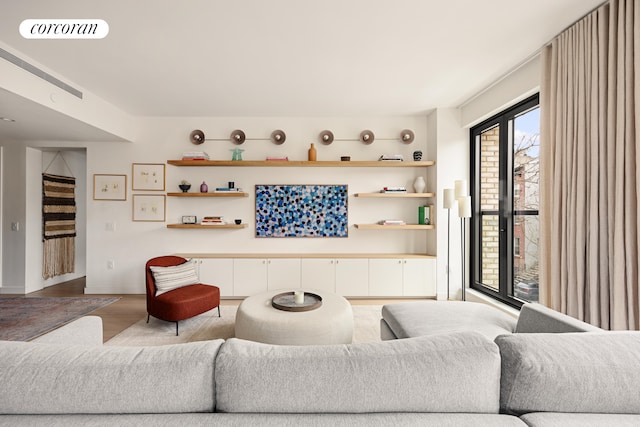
x: 277, y: 159
x: 212, y: 220
x: 195, y: 155
x: 393, y: 190
x: 392, y: 222
x: 391, y: 157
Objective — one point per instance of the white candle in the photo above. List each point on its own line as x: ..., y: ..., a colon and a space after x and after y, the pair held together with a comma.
x: 449, y: 198
x: 461, y: 188
x: 464, y: 207
x: 298, y: 297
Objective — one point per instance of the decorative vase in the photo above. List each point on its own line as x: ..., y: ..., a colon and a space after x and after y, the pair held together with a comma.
x: 419, y: 184
x: 417, y: 155
x: 312, y: 153
x: 204, y: 188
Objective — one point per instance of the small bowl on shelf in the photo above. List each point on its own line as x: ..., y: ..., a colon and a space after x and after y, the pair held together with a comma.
x: 345, y: 158
x: 184, y: 187
x: 238, y: 221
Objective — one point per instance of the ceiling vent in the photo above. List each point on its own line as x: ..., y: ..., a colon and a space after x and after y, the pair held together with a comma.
x: 39, y: 73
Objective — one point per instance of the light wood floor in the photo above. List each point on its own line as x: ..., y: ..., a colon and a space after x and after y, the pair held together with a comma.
x: 130, y: 309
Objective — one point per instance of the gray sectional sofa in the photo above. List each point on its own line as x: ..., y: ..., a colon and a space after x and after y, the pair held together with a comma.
x: 459, y: 378
x: 414, y: 319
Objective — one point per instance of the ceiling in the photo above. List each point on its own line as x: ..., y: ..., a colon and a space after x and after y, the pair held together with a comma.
x: 251, y: 58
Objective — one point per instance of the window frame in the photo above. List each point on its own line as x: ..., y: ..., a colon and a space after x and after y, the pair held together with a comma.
x: 506, y: 212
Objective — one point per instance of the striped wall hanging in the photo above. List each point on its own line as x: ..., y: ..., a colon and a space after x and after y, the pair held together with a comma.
x: 59, y: 224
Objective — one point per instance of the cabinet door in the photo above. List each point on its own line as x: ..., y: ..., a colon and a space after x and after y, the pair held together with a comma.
x: 352, y: 277
x: 249, y: 276
x: 385, y: 277
x: 218, y: 272
x: 319, y: 273
x: 419, y: 277
x: 283, y: 273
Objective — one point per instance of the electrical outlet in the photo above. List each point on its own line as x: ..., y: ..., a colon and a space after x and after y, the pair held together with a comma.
x: 111, y: 265
x: 110, y: 226
x: 15, y: 226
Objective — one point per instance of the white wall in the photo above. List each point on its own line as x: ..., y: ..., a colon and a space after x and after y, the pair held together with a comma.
x: 132, y: 243
x: 22, y: 200
x: 452, y: 147
x: 514, y: 87
x: 14, y: 207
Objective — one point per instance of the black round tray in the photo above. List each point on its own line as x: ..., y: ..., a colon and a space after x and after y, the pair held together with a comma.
x: 285, y: 301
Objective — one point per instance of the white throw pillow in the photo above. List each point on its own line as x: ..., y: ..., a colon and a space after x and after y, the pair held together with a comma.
x: 174, y: 277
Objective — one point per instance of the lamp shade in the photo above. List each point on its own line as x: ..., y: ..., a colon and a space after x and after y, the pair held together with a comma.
x: 464, y: 207
x: 449, y: 198
x: 461, y: 188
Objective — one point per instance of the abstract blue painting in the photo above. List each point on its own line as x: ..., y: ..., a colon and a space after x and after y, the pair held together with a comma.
x: 301, y: 211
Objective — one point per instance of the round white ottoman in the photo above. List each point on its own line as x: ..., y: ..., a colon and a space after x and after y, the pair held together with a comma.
x: 331, y: 323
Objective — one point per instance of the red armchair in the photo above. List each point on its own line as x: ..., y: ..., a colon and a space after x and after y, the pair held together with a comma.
x: 181, y: 303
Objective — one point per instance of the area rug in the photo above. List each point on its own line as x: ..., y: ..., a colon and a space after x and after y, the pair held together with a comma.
x: 209, y: 326
x: 22, y: 319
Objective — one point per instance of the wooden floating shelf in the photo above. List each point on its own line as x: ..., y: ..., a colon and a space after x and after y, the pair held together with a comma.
x: 395, y: 195
x: 302, y: 163
x: 208, y: 227
x: 212, y: 194
x: 394, y: 227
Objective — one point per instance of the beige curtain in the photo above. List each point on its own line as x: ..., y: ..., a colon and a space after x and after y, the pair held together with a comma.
x: 590, y: 182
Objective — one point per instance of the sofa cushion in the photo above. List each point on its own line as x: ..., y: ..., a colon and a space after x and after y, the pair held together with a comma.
x: 86, y: 330
x: 555, y: 419
x: 536, y: 318
x: 264, y: 420
x: 414, y: 319
x: 446, y: 373
x: 174, y: 277
x: 54, y: 379
x: 572, y: 372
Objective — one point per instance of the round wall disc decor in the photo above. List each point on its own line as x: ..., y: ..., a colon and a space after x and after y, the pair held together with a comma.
x: 367, y: 137
x: 196, y: 137
x: 278, y: 137
x: 238, y: 137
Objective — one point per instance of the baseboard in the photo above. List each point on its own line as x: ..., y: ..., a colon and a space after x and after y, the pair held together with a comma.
x: 111, y: 291
x: 6, y: 290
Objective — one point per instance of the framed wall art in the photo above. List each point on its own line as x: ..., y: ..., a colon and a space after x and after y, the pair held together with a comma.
x: 109, y: 187
x: 148, y: 176
x: 302, y: 211
x: 149, y: 207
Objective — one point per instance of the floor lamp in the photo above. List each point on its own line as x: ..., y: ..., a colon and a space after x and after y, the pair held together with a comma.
x: 461, y: 194
x: 448, y: 201
x: 464, y: 212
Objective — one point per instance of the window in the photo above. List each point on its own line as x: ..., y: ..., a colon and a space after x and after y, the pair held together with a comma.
x: 504, y: 229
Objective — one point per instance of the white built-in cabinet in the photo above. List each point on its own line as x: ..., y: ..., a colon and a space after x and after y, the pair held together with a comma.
x: 217, y: 271
x: 319, y: 273
x: 249, y: 276
x: 352, y: 277
x: 417, y: 277
x: 357, y: 276
x: 343, y: 276
x: 283, y: 273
